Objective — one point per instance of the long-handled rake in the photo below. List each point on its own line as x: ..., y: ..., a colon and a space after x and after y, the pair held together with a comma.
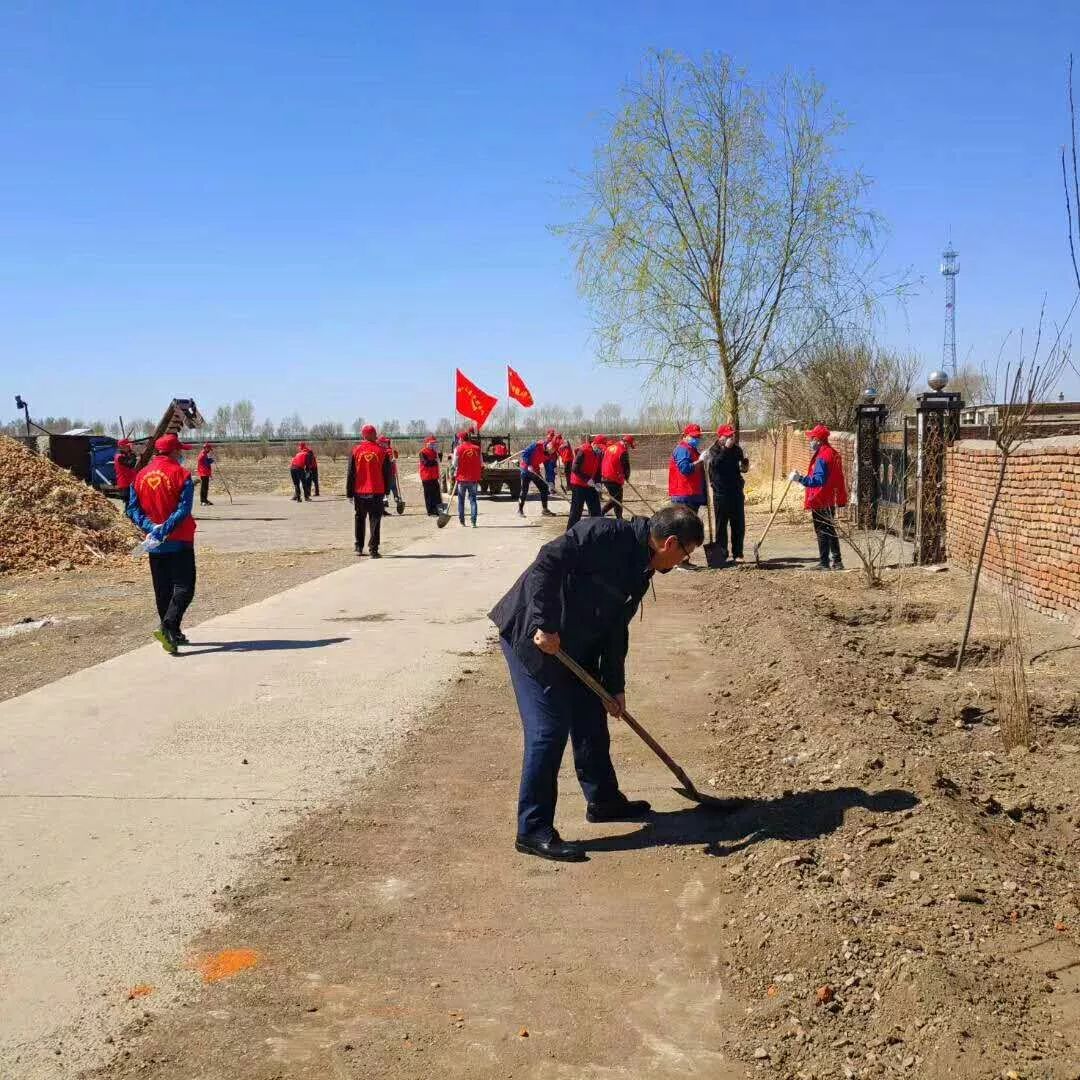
x: 761, y: 539
x: 688, y: 790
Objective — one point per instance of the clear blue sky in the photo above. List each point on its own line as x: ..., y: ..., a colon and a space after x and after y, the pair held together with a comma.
x: 327, y: 206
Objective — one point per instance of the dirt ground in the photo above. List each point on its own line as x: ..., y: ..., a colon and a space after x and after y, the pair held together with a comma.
x: 892, y: 894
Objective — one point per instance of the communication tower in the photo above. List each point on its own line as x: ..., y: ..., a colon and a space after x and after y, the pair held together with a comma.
x: 950, y: 267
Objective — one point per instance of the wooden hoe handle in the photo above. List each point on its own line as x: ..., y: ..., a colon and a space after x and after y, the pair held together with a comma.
x: 610, y: 703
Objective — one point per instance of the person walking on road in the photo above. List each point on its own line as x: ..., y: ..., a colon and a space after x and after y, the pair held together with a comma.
x: 686, y: 470
x: 366, y: 483
x: 468, y: 466
x: 585, y: 479
x: 580, y: 595
x: 429, y: 476
x: 300, y: 472
x: 826, y: 489
x: 533, y: 458
x: 615, y: 471
x: 727, y: 465
x: 124, y: 462
x: 160, y: 504
x: 204, y: 469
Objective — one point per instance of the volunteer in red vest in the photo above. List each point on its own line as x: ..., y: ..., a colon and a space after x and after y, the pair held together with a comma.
x: 300, y: 472
x: 533, y: 458
x: 313, y: 472
x: 160, y: 504
x: 565, y: 453
x: 826, y: 489
x: 551, y: 445
x: 615, y: 471
x: 366, y: 484
x: 204, y: 469
x: 124, y: 466
x: 498, y: 449
x: 686, y: 470
x: 468, y: 465
x: 429, y: 476
x: 393, y: 489
x: 585, y: 479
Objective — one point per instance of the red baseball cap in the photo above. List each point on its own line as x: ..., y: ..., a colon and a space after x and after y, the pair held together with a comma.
x: 600, y: 440
x: 820, y: 432
x: 368, y: 431
x: 126, y: 443
x: 169, y: 444
x: 725, y: 431
x: 628, y: 440
x: 692, y: 430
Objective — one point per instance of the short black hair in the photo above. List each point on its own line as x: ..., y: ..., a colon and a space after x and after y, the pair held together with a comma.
x: 678, y: 521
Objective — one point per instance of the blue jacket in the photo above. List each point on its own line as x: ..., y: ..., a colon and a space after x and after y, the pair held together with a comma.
x: 183, y: 508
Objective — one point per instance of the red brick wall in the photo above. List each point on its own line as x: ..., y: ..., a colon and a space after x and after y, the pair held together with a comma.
x: 1037, y: 519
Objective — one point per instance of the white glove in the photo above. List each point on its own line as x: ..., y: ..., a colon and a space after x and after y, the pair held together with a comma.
x: 704, y: 459
x: 795, y: 477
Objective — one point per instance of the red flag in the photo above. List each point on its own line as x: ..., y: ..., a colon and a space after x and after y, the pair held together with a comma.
x: 472, y: 401
x: 517, y: 389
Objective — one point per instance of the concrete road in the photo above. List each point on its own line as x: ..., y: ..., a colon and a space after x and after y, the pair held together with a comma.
x: 134, y: 792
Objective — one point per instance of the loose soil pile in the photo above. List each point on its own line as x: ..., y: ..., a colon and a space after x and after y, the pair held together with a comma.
x: 915, y: 905
x: 49, y: 519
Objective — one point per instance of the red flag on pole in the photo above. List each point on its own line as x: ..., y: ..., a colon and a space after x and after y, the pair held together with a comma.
x: 472, y: 401
x: 517, y: 389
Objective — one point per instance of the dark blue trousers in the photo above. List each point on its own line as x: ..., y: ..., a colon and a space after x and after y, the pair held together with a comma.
x: 549, y: 715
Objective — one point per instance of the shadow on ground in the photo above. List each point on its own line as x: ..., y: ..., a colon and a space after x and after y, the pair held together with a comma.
x: 268, y: 645
x: 804, y: 815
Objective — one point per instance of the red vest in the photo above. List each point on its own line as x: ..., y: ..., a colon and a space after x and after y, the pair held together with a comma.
x: 429, y: 463
x: 158, y: 488
x: 124, y: 475
x: 590, y: 465
x: 565, y: 452
x: 685, y: 486
x: 301, y: 460
x: 202, y: 466
x: 470, y: 464
x: 834, y: 491
x: 369, y: 458
x: 500, y: 450
x: 612, y: 469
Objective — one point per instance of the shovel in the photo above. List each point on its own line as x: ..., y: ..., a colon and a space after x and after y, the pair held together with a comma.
x: 761, y: 539
x: 687, y: 791
x: 714, y: 554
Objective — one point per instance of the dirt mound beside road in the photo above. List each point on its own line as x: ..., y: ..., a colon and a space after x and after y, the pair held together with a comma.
x: 49, y: 519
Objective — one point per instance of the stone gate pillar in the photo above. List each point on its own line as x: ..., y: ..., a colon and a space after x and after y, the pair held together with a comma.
x: 937, y: 420
x: 869, y: 419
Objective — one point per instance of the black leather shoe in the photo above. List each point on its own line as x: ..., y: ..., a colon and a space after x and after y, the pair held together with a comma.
x: 375, y: 554
x: 619, y: 810
x: 556, y: 849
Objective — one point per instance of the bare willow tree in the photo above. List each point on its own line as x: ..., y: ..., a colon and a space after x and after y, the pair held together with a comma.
x: 720, y: 235
x: 1072, y: 192
x: 828, y: 384
x: 1026, y: 382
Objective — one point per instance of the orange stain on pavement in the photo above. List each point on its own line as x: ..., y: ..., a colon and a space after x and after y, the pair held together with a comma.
x: 142, y: 990
x: 213, y: 967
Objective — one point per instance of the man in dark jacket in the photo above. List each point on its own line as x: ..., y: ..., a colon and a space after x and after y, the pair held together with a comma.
x: 580, y: 595
x: 727, y: 464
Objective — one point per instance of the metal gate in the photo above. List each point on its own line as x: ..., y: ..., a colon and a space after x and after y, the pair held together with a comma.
x: 896, y: 479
